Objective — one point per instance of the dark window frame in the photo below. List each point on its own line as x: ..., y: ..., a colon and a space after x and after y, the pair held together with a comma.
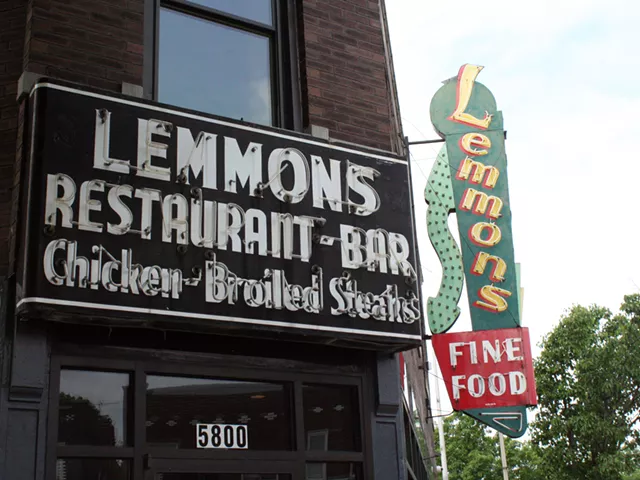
x: 284, y: 61
x: 152, y: 459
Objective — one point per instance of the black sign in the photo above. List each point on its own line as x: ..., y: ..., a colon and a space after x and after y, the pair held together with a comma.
x: 142, y: 212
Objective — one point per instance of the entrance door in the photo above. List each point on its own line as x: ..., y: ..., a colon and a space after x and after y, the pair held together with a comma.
x: 166, y: 469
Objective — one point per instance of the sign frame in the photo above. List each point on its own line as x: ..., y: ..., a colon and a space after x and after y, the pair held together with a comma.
x: 487, y: 368
x: 347, y: 331
x: 469, y: 178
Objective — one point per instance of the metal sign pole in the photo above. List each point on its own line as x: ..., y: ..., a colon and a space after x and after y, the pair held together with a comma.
x: 443, y: 447
x: 503, y: 457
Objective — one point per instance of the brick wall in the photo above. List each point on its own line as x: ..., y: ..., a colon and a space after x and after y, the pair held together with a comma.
x: 94, y: 42
x: 345, y: 74
x: 13, y: 15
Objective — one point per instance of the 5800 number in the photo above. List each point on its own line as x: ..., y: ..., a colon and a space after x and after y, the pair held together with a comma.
x: 218, y: 435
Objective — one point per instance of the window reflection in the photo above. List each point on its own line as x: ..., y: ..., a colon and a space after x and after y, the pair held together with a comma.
x: 92, y: 469
x: 93, y: 408
x: 213, y: 68
x: 257, y: 10
x: 331, y: 418
x: 175, y: 405
x: 333, y: 471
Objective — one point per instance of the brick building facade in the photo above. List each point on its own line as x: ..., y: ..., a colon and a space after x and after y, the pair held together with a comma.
x: 331, y: 78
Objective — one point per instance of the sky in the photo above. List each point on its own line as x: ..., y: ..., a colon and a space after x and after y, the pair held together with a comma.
x: 565, y: 74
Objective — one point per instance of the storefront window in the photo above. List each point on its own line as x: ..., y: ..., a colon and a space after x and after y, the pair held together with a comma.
x: 112, y: 425
x: 331, y: 418
x: 93, y: 408
x: 92, y: 469
x: 176, y: 405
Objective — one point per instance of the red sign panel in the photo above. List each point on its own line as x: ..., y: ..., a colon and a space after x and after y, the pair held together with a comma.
x: 487, y: 368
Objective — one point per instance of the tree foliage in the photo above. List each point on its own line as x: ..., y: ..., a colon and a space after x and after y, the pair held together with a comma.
x: 473, y: 452
x: 588, y: 382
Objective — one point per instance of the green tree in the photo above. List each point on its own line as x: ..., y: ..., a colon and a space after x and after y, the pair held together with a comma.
x: 523, y: 460
x: 473, y: 452
x: 588, y: 379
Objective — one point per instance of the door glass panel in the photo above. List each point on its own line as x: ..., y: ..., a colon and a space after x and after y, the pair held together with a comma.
x: 93, y: 408
x: 223, y: 476
x: 333, y: 471
x: 176, y: 405
x: 331, y: 418
x: 92, y: 469
x: 257, y: 10
x: 213, y: 68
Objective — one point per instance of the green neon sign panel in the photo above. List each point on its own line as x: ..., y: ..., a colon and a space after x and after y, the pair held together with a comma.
x: 470, y: 178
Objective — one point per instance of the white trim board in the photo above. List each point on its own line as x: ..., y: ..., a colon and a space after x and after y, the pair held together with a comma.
x: 204, y: 316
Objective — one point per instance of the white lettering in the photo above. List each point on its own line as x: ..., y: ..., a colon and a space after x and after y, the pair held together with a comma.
x: 50, y: 272
x: 517, y: 383
x: 197, y: 156
x: 491, y: 350
x: 87, y: 205
x: 476, y: 386
x: 457, y: 386
x: 175, y: 218
x: 242, y: 169
x: 255, y: 231
x: 497, y: 390
x: 101, y: 157
x: 351, y: 250
x: 512, y: 349
x: 148, y: 148
x: 301, y: 174
x: 148, y: 196
x: 326, y: 187
x: 306, y: 228
x: 399, y: 250
x: 377, y: 250
x: 282, y: 235
x: 63, y: 203
x: 118, y: 206
x: 77, y: 268
x: 356, y: 175
x: 454, y: 353
x: 203, y: 223
x: 473, y: 351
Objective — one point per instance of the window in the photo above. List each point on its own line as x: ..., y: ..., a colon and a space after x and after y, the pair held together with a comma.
x: 90, y: 468
x: 231, y: 58
x: 116, y: 419
x: 93, y: 408
x: 176, y: 404
x: 331, y: 417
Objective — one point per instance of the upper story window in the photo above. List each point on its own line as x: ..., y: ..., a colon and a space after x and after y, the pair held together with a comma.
x: 226, y: 57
